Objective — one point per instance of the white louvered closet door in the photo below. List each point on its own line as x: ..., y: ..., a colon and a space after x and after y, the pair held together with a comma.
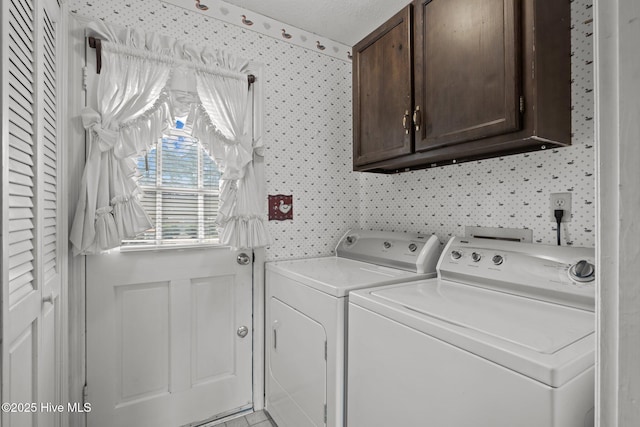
x: 31, y: 331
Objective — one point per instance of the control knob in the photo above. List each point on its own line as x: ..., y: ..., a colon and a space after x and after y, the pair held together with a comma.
x: 497, y: 259
x: 412, y: 247
x: 582, y: 271
x: 476, y: 257
x: 387, y: 245
x: 456, y: 254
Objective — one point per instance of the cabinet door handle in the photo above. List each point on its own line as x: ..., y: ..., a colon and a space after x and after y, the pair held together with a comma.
x: 405, y: 122
x: 417, y: 118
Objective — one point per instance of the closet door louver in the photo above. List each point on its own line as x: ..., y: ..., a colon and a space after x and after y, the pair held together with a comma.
x: 32, y: 204
x: 48, y: 153
x: 31, y: 321
x: 21, y: 151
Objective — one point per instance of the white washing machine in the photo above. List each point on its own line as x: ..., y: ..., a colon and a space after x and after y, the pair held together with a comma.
x: 306, y: 310
x: 503, y: 337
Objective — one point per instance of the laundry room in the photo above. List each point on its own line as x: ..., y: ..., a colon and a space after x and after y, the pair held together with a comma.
x: 241, y: 213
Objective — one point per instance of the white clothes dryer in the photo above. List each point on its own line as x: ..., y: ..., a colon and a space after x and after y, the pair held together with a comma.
x: 503, y: 337
x: 306, y: 315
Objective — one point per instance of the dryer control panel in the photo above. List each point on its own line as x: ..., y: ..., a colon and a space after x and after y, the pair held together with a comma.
x: 417, y: 253
x: 560, y: 274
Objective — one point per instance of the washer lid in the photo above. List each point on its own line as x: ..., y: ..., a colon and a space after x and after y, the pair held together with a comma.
x: 536, y: 325
x: 546, y: 341
x: 338, y: 276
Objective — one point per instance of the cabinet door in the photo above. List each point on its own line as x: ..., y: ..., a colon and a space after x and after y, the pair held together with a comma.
x: 382, y: 92
x: 467, y: 70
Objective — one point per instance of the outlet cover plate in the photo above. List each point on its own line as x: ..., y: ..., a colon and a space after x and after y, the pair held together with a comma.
x: 560, y: 201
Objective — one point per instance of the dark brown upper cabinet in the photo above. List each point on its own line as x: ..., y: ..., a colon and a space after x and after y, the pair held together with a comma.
x: 488, y: 78
x: 467, y: 70
x: 383, y: 92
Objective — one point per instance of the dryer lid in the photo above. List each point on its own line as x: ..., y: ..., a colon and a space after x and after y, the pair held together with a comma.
x: 338, y: 276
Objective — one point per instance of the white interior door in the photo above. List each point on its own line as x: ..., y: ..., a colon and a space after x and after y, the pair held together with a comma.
x: 163, y: 341
x: 31, y: 283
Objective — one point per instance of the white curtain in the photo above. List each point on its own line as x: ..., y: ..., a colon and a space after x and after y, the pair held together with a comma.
x: 132, y: 113
x: 134, y: 109
x: 220, y: 124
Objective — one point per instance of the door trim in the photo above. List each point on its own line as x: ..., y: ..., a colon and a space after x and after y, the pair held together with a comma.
x: 64, y: 95
x: 73, y: 157
x: 258, y: 329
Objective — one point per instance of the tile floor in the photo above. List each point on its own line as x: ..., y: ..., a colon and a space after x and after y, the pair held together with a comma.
x: 255, y: 419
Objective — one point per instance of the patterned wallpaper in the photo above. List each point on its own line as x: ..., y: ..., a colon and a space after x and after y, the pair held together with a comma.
x: 308, y: 137
x: 229, y: 13
x: 307, y: 117
x: 510, y: 191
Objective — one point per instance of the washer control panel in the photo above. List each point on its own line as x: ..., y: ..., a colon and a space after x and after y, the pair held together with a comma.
x: 562, y: 274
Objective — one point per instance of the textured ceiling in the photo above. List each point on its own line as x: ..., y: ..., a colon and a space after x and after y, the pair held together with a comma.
x: 345, y: 21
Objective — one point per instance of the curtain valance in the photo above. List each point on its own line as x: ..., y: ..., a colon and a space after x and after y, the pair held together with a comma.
x: 124, y: 50
x: 169, y: 47
x: 135, y: 107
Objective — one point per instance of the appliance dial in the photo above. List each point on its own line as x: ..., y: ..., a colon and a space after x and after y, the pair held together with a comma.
x: 476, y: 257
x: 582, y: 271
x: 412, y: 247
x: 350, y: 240
x: 497, y: 259
x: 387, y: 245
x: 456, y: 254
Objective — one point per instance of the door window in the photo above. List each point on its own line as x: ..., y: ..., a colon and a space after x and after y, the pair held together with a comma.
x: 180, y: 189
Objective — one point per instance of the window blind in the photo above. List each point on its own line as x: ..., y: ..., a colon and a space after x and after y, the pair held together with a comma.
x: 180, y: 189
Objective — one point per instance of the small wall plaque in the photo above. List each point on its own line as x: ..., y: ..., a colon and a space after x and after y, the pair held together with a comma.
x: 280, y: 207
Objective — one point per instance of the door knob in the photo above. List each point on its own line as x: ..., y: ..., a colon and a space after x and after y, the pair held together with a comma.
x: 243, y: 259
x: 242, y: 331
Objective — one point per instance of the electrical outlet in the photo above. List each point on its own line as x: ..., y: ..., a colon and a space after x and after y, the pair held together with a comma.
x: 561, y: 201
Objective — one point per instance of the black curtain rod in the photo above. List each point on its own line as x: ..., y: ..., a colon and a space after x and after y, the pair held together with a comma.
x: 96, y: 44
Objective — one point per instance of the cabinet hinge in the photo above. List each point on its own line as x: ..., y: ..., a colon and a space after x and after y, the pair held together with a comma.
x: 85, y: 394
x: 521, y: 104
x: 325, y: 350
x: 325, y: 413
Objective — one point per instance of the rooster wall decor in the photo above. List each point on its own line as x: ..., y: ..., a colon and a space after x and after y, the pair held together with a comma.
x: 280, y: 207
